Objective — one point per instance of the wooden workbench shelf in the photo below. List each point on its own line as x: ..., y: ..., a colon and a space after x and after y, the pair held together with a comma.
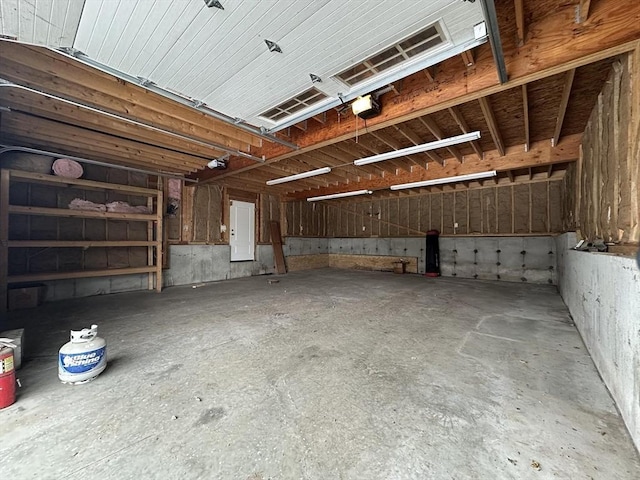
x: 153, y: 241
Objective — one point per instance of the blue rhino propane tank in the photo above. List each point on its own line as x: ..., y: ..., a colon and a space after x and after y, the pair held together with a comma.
x: 83, y: 358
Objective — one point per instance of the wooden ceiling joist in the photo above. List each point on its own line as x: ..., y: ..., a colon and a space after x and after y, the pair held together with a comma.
x: 415, y: 139
x: 566, y: 93
x: 541, y: 154
x: 582, y: 13
x: 436, y: 131
x: 525, y: 117
x: 459, y: 119
x: 490, y: 118
x: 467, y: 58
x: 520, y: 26
x: 391, y: 142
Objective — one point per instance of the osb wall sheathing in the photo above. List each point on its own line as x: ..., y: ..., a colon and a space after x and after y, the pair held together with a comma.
x: 27, y: 227
x: 526, y: 208
x: 607, y: 195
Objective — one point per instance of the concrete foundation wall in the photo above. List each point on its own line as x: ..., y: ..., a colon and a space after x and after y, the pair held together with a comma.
x: 514, y: 259
x: 188, y: 264
x: 209, y: 263
x: 602, y: 292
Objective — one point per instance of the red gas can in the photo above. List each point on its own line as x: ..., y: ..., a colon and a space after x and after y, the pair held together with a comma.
x: 7, y: 377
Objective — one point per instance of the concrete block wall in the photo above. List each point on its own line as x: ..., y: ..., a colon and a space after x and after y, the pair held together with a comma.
x: 512, y: 259
x: 602, y: 292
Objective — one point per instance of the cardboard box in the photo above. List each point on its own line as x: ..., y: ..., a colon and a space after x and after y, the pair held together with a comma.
x: 25, y: 297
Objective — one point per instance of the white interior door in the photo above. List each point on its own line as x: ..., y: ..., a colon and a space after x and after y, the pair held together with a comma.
x: 242, y: 236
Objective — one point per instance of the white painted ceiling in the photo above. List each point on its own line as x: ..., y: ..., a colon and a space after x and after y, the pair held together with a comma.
x: 220, y: 57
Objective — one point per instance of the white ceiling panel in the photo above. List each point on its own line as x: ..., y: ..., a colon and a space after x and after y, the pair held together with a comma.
x: 45, y: 22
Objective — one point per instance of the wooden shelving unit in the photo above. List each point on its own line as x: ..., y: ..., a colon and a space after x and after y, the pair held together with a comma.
x: 153, y: 220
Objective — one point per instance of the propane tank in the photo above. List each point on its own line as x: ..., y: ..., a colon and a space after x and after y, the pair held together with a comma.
x: 7, y: 374
x: 83, y: 358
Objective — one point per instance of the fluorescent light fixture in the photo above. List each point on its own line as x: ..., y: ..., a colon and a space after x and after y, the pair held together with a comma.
x: 439, y: 181
x: 298, y: 176
x: 339, y: 195
x: 445, y: 142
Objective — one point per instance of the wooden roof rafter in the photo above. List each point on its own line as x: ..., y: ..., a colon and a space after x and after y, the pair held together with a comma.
x: 436, y: 131
x: 414, y: 138
x: 564, y: 102
x: 492, y: 124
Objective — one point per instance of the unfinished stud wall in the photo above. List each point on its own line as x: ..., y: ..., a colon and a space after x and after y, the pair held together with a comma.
x: 524, y: 208
x: 608, y: 201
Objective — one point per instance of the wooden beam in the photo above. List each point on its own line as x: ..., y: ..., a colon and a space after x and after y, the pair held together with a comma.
x: 520, y: 21
x: 525, y: 116
x: 301, y: 125
x: 541, y: 153
x: 50, y: 132
x: 414, y: 138
x: 388, y: 140
x: 582, y: 13
x: 429, y: 72
x: 436, y: 131
x: 20, y: 100
x: 564, y: 101
x: 50, y: 71
x: 459, y: 119
x: 467, y: 58
x: 489, y: 117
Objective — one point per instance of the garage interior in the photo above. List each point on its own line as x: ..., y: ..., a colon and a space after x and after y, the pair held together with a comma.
x: 263, y: 326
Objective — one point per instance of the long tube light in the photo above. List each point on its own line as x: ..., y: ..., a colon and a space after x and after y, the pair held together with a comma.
x: 298, y: 176
x: 339, y: 195
x: 445, y: 142
x: 439, y: 181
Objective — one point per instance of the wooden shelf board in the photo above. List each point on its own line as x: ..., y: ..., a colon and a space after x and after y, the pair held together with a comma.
x: 81, y: 243
x: 19, y: 175
x: 67, y: 212
x: 41, y: 277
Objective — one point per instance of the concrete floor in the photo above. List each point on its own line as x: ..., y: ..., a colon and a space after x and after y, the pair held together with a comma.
x: 325, y: 375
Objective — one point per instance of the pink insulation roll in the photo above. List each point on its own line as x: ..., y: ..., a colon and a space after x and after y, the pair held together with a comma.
x: 65, y: 167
